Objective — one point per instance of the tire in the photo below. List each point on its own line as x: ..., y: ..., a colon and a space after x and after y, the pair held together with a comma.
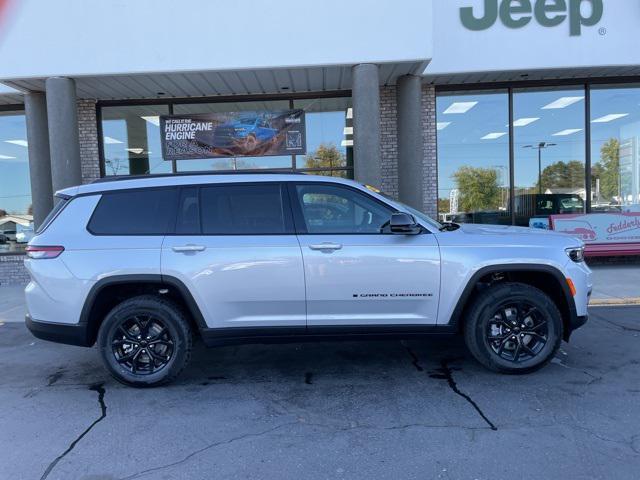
x: 503, y: 346
x: 145, y: 341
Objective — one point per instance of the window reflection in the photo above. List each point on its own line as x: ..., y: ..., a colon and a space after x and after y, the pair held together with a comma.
x: 131, y: 140
x: 16, y: 219
x: 473, y: 157
x: 615, y: 148
x: 549, y: 152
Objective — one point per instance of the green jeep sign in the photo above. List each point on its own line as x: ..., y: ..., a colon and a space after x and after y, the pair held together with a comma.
x: 548, y: 13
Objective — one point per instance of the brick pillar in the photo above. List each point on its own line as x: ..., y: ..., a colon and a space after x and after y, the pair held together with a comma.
x: 428, y: 123
x: 88, y: 127
x: 389, y: 141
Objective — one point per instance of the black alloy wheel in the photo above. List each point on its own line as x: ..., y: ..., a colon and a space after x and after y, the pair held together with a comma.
x: 142, y: 344
x: 517, y: 332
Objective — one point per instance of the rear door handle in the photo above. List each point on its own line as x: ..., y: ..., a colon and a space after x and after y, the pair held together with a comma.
x: 326, y: 246
x: 188, y: 248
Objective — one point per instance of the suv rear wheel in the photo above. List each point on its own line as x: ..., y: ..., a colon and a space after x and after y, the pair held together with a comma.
x: 145, y: 341
x: 513, y: 328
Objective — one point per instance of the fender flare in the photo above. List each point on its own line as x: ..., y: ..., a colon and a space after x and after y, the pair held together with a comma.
x: 456, y: 317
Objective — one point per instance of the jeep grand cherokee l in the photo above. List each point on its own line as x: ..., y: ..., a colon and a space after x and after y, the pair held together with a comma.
x: 142, y: 265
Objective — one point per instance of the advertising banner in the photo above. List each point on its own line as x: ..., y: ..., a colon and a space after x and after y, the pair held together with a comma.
x: 233, y: 134
x: 600, y: 228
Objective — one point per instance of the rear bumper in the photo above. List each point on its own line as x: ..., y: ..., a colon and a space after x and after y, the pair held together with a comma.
x: 74, y: 334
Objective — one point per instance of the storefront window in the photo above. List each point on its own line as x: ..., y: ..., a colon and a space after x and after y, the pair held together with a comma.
x: 549, y: 154
x: 473, y: 157
x: 131, y: 140
x: 329, y: 137
x: 16, y: 219
x: 233, y: 163
x: 615, y: 149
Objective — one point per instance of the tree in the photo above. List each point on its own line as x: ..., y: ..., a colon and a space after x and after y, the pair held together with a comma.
x: 444, y: 205
x: 479, y: 189
x: 563, y: 175
x: 607, y: 170
x: 3, y: 212
x: 325, y: 156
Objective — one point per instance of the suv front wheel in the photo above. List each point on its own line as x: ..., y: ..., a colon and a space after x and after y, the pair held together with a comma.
x: 145, y: 341
x: 513, y: 328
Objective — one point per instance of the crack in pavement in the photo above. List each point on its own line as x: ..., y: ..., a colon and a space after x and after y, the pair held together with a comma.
x: 204, y: 449
x: 623, y: 327
x: 445, y: 373
x: 414, y: 358
x: 96, y: 387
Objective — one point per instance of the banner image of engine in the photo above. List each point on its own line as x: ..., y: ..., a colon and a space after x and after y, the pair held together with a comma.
x: 233, y: 134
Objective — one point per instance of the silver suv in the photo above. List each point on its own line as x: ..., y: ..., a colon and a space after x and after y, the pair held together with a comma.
x: 142, y: 265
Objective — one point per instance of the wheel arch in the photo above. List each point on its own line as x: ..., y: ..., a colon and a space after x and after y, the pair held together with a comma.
x: 547, y: 278
x: 109, y: 291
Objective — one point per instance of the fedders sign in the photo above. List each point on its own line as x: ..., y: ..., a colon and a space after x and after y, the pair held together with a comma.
x: 548, y: 13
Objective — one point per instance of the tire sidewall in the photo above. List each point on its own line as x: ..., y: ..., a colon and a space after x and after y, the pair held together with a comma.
x: 482, y: 313
x: 171, y: 318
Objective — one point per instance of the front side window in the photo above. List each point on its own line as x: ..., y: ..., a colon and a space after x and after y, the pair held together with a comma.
x: 330, y: 209
x: 134, y: 212
x: 242, y: 210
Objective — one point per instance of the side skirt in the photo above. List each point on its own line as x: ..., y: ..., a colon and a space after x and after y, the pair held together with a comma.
x: 217, y: 337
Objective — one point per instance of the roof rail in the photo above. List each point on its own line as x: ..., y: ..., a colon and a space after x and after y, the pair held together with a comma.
x: 115, y: 178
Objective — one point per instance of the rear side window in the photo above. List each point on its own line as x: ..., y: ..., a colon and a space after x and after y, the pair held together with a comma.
x: 61, y: 202
x: 243, y: 210
x: 134, y: 212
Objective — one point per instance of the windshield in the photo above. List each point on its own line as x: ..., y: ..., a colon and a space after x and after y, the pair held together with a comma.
x: 416, y: 213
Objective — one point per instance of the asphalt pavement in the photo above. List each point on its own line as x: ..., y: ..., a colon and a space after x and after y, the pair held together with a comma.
x: 419, y: 409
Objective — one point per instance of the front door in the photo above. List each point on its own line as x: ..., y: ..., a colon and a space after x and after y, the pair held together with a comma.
x: 235, y: 249
x: 357, y: 272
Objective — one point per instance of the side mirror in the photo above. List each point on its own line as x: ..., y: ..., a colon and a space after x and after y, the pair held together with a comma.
x: 404, y: 224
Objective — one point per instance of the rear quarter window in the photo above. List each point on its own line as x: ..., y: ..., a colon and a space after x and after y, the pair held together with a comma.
x: 134, y: 212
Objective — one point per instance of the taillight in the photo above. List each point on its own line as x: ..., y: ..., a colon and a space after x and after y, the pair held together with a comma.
x: 36, y: 252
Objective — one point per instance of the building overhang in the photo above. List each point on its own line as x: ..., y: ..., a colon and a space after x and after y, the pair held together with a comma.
x: 222, y: 82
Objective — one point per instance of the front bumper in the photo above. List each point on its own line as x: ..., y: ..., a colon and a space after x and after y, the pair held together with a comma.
x: 71, y: 334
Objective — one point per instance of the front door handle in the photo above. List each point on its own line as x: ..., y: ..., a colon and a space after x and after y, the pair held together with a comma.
x: 326, y: 246
x: 188, y: 248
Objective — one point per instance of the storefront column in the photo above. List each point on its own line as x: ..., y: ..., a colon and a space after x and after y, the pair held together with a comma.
x: 366, y: 124
x: 411, y: 172
x: 35, y: 105
x: 63, y: 132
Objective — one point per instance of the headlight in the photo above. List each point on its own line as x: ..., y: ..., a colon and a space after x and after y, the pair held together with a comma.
x: 576, y: 254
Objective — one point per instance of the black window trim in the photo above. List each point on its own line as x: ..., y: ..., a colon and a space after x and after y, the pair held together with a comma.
x: 298, y: 216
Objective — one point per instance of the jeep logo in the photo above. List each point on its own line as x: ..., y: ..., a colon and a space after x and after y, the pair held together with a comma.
x: 548, y: 13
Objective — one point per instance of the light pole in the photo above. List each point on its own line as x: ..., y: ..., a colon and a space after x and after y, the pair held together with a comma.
x: 541, y: 146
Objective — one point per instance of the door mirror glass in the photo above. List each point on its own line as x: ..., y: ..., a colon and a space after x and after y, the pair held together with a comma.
x: 404, y: 224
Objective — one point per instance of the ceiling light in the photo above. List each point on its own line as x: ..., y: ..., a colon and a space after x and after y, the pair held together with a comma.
x: 349, y: 112
x: 562, y: 103
x: 523, y: 122
x: 609, y: 118
x: 137, y: 151
x: 6, y: 157
x: 493, y: 135
x: 348, y: 130
x: 153, y: 119
x: 111, y: 140
x: 442, y: 125
x: 568, y: 131
x: 22, y: 143
x: 347, y: 143
x: 460, y: 107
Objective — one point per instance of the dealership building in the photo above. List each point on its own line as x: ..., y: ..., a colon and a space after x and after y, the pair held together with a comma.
x: 484, y: 111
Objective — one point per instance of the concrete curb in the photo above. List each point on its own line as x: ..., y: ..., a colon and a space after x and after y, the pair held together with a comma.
x: 602, y: 302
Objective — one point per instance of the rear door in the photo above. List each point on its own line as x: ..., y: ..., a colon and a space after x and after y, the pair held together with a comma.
x: 357, y: 272
x: 234, y: 247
